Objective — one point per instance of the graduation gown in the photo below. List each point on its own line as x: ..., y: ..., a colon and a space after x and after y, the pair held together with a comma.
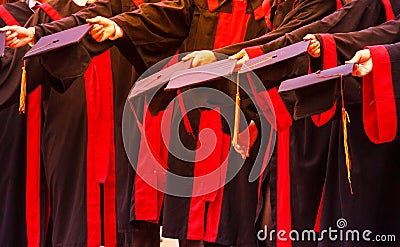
x: 87, y: 171
x: 13, y: 137
x: 204, y: 25
x: 373, y: 160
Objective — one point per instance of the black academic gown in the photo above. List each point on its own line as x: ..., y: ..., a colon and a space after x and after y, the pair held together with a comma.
x: 372, y: 145
x: 186, y: 218
x: 87, y: 172
x: 12, y: 138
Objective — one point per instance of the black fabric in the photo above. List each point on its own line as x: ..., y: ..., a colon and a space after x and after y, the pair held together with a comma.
x: 13, y: 142
x: 373, y: 206
x: 394, y: 53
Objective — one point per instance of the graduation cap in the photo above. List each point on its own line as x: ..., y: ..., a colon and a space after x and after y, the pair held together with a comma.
x: 48, y: 44
x: 276, y: 56
x: 2, y: 43
x: 58, y: 40
x: 202, y: 73
x: 320, y: 77
x: 158, y: 79
x: 315, y: 78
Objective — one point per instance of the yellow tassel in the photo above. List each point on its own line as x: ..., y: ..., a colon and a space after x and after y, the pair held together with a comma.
x: 22, y: 96
x: 237, y: 111
x: 345, y: 121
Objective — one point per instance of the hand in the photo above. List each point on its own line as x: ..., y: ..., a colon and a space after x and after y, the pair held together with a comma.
x: 102, y: 29
x: 242, y: 57
x: 314, y: 49
x: 18, y: 36
x: 200, y: 57
x: 363, y: 63
x: 246, y: 139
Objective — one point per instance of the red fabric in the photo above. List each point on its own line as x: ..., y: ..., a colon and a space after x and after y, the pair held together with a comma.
x: 7, y: 17
x: 266, y: 5
x: 138, y: 2
x: 208, y: 160
x: 152, y: 162
x: 33, y: 168
x: 186, y: 121
x: 215, y: 207
x: 212, y: 5
x: 389, y: 10
x: 264, y: 164
x: 339, y: 4
x: 283, y: 218
x: 232, y: 27
x: 50, y: 11
x: 317, y: 226
x: 254, y: 51
x: 100, y: 149
x: 379, y: 106
x: 329, y: 60
x: 282, y: 115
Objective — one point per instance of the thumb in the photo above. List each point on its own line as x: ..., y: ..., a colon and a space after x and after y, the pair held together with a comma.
x: 238, y: 55
x: 94, y: 20
x: 309, y: 37
x: 189, y: 56
x: 355, y: 59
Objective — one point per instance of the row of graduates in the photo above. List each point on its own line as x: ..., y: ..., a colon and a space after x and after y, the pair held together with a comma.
x: 146, y: 34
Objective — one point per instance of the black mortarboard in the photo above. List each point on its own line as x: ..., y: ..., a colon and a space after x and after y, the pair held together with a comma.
x: 158, y: 79
x: 2, y: 43
x: 227, y: 66
x: 315, y: 78
x: 202, y: 73
x: 58, y: 40
x: 274, y: 57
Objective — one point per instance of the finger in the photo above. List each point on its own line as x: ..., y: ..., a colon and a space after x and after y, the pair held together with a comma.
x: 11, y: 28
x: 189, y: 56
x: 11, y: 37
x: 98, y: 35
x: 356, y: 58
x: 309, y: 37
x: 238, y: 55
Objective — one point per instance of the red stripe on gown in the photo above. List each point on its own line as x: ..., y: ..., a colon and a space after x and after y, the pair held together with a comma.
x: 389, y: 10
x: 100, y: 150
x: 33, y: 167
x: 283, y: 218
x: 7, y: 17
x: 379, y: 104
x: 231, y: 29
x: 329, y: 60
x: 152, y: 161
x: 50, y: 11
x: 211, y: 159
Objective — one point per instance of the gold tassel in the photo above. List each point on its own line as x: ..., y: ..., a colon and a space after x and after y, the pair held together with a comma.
x: 22, y: 96
x: 345, y: 121
x: 237, y: 111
